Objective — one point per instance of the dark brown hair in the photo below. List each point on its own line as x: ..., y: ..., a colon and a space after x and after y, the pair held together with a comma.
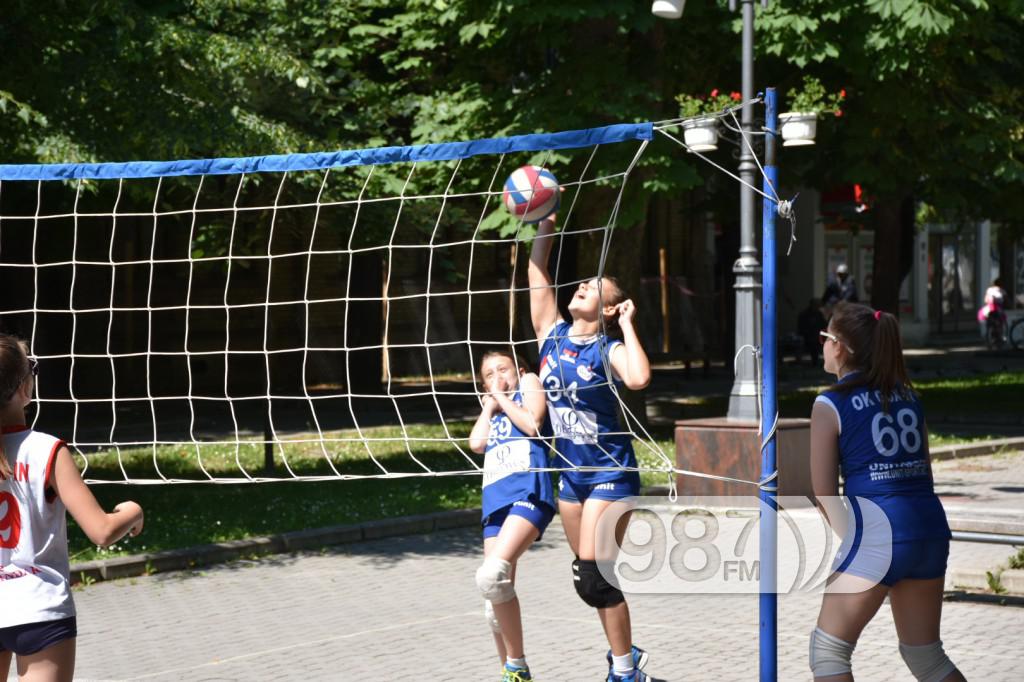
x: 14, y: 369
x: 611, y: 324
x: 499, y: 352
x: 874, y: 338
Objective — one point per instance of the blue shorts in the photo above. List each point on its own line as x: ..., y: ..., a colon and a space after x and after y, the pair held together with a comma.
x: 537, y: 513
x: 626, y: 485
x: 31, y: 638
x: 900, y: 560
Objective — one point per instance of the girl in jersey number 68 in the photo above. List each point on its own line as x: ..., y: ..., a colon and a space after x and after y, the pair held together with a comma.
x: 870, y: 427
x: 517, y: 504
x: 38, y: 481
x: 579, y: 362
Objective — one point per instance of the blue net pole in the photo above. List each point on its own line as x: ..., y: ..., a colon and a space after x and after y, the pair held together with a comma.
x: 768, y: 600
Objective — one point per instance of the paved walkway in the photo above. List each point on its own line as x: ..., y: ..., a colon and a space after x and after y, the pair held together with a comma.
x: 407, y: 608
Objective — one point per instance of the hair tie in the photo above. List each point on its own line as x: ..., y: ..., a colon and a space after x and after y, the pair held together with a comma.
x: 878, y: 315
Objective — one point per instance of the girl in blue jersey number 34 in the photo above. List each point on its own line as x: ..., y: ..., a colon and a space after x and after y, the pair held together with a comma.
x: 870, y: 427
x: 517, y: 504
x: 578, y: 363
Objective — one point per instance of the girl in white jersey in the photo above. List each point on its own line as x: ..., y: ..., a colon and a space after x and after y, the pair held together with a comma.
x: 517, y: 504
x: 579, y: 365
x: 38, y: 481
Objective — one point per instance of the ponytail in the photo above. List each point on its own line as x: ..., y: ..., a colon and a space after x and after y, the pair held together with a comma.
x: 14, y: 369
x: 5, y: 466
x: 874, y: 338
x: 612, y: 297
x: 888, y: 371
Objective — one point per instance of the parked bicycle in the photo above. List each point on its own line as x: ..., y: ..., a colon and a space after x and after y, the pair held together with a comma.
x: 1016, y: 334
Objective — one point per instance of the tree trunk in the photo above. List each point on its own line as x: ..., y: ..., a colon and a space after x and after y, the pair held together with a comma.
x: 893, y: 252
x: 365, y: 324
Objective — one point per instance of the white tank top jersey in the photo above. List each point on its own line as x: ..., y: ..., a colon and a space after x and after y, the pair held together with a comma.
x: 34, y: 565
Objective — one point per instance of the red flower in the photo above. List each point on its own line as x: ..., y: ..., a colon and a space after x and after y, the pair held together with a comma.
x: 839, y: 112
x: 842, y: 94
x: 714, y: 93
x: 735, y: 96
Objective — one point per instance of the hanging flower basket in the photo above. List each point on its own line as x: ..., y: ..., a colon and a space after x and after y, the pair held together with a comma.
x: 701, y: 134
x: 798, y: 128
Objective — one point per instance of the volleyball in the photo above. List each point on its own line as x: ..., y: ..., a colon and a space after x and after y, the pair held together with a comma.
x: 531, y: 194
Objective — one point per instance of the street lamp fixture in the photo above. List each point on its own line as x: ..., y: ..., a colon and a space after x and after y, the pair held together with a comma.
x: 743, y: 397
x: 668, y: 9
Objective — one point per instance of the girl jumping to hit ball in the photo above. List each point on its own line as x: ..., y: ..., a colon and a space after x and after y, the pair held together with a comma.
x: 579, y: 363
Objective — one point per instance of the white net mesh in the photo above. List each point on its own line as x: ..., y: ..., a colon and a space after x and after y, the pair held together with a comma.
x: 223, y: 323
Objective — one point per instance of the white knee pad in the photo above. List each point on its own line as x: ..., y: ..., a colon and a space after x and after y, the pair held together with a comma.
x: 494, y: 580
x: 829, y: 655
x: 928, y: 662
x: 492, y: 620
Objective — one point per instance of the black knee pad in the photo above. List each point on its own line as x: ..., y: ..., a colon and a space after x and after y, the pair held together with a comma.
x: 592, y: 587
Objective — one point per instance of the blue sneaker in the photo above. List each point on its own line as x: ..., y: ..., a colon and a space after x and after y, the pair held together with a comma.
x: 514, y: 674
x: 635, y: 676
x: 640, y: 658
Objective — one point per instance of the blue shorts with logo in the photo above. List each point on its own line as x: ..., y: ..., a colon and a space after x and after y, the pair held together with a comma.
x: 536, y: 512
x: 31, y: 638
x: 626, y: 485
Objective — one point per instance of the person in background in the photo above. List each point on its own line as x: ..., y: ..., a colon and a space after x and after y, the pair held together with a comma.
x: 809, y: 322
x: 841, y: 289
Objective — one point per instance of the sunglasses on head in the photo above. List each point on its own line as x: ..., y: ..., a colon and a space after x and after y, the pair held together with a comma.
x: 33, y: 366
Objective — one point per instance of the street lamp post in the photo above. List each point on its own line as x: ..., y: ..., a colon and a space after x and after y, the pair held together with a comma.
x: 747, y: 269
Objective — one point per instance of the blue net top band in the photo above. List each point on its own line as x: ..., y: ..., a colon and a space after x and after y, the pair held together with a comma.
x: 279, y: 163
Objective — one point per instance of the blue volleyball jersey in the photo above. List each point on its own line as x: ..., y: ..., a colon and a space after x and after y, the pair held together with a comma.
x: 582, y: 407
x: 884, y: 458
x: 508, y: 455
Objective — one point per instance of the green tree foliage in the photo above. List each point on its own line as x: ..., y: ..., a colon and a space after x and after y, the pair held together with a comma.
x: 933, y: 114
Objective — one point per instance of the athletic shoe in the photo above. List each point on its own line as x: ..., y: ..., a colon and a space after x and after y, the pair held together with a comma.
x: 514, y: 674
x: 640, y: 658
x: 635, y: 676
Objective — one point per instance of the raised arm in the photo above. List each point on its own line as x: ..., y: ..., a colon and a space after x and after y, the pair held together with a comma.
x: 100, y: 527
x: 543, y: 302
x: 629, y: 359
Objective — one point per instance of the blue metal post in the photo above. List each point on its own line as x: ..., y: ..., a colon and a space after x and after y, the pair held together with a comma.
x: 768, y: 602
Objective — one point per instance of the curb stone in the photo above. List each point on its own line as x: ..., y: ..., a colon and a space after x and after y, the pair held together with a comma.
x: 293, y: 541
x: 986, y: 447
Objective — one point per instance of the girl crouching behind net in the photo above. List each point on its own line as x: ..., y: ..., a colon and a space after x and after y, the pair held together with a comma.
x: 517, y: 504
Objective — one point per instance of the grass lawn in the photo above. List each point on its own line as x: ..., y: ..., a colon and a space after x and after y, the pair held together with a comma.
x: 187, y: 514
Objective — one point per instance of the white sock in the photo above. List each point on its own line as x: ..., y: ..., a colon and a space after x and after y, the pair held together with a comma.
x: 623, y: 665
x: 516, y: 662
